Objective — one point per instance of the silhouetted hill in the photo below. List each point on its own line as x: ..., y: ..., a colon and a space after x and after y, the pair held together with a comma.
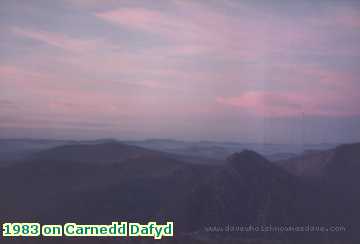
x: 344, y: 166
x: 249, y: 161
x: 250, y: 190
x: 12, y: 150
x: 341, y: 176
x: 310, y: 164
x: 103, y: 152
x: 340, y: 164
x: 336, y: 172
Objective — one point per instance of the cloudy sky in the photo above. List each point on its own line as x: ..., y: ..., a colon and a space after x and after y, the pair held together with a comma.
x: 255, y: 71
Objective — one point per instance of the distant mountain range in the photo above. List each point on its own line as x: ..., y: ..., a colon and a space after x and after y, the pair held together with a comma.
x: 192, y: 151
x: 103, y: 152
x: 107, y: 181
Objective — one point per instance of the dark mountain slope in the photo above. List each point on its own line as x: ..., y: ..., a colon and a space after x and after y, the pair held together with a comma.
x: 335, y: 172
x: 105, y: 152
x: 311, y: 164
x: 252, y: 191
x: 339, y: 164
x: 344, y: 166
x: 341, y: 177
x: 54, y: 177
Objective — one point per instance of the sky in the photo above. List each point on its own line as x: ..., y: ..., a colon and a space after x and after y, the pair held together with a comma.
x: 251, y: 71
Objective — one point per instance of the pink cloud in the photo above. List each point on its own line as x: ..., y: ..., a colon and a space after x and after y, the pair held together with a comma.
x: 311, y: 77
x: 343, y: 17
x: 198, y: 31
x: 140, y: 18
x: 194, y: 28
x: 13, y: 76
x: 59, y: 40
x: 284, y: 104
x: 44, y: 96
